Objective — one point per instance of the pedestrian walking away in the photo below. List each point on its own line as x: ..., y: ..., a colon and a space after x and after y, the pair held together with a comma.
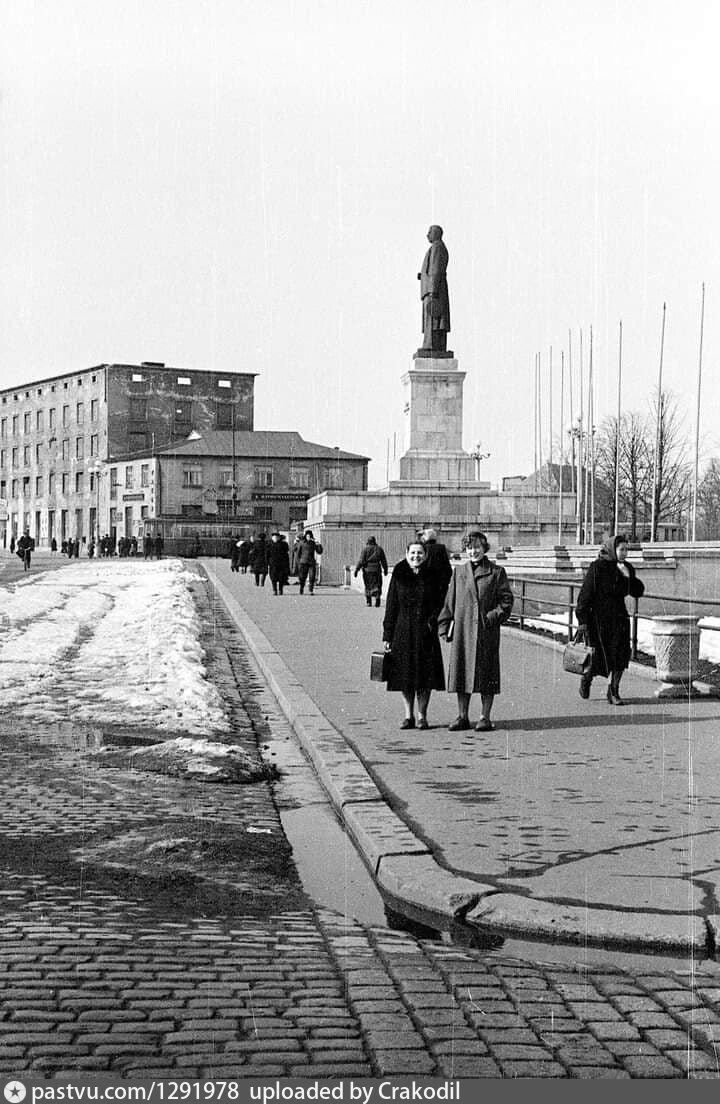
x: 603, y: 617
x: 410, y: 634
x: 278, y: 562
x: 235, y: 554
x: 306, y: 562
x: 478, y: 602
x: 373, y: 564
x: 244, y: 547
x: 258, y: 559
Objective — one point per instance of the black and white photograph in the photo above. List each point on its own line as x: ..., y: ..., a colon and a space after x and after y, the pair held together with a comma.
x: 359, y: 547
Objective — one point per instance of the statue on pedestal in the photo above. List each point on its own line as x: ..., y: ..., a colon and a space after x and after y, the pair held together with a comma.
x: 435, y: 297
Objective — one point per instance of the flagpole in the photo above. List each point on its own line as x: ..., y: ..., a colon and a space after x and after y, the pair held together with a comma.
x: 616, y: 514
x: 591, y: 439
x: 697, y: 421
x: 560, y: 465
x: 656, y: 462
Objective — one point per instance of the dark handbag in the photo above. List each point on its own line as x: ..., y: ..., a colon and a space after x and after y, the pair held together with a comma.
x: 578, y: 656
x: 380, y: 666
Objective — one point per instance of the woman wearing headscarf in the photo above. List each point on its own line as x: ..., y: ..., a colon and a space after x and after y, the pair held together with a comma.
x: 410, y: 633
x: 602, y: 614
x: 373, y: 565
x: 478, y: 602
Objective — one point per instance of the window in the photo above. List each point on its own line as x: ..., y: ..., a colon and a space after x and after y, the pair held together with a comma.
x: 225, y: 477
x: 113, y: 482
x: 191, y: 510
x: 224, y: 383
x: 136, y: 378
x: 79, y: 448
x: 66, y: 414
x: 26, y: 486
x: 66, y: 448
x: 27, y: 422
x: 3, y: 427
x: 37, y: 454
x: 262, y: 513
x: 26, y: 456
x: 299, y: 478
x: 79, y: 481
x: 93, y: 410
x: 223, y: 415
x: 79, y: 413
x: 39, y: 420
x: 264, y: 477
x: 38, y: 485
x: 144, y: 475
x: 15, y: 456
x: 184, y: 381
x: 51, y: 483
x: 183, y: 411
x: 144, y: 512
x: 65, y: 482
x: 333, y: 478
x: 129, y: 477
x: 93, y: 444
x: 3, y: 488
x: 3, y: 457
x: 192, y: 477
x: 15, y: 423
x: 51, y: 418
x: 14, y: 486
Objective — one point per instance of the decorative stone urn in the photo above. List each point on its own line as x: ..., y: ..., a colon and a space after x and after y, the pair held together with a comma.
x: 677, y: 650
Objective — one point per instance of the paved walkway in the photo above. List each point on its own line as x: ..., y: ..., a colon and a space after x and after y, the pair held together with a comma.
x: 110, y: 964
x: 575, y: 819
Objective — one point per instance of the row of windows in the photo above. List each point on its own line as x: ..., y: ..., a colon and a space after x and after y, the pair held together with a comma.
x: 39, y: 392
x: 264, y: 477
x: 63, y: 482
x: 14, y: 423
x: 52, y: 451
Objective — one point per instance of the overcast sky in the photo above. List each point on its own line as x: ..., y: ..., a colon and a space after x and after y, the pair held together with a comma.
x: 247, y: 186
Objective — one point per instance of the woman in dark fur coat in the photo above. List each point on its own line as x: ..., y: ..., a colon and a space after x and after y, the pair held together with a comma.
x: 602, y: 613
x: 413, y: 602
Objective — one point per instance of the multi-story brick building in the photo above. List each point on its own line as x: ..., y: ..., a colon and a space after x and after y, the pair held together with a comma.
x: 57, y: 433
x: 124, y: 449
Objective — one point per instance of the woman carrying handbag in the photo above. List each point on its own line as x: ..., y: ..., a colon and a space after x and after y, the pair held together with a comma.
x: 602, y: 615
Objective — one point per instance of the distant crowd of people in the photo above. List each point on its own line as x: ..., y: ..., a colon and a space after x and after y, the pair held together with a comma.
x: 274, y: 557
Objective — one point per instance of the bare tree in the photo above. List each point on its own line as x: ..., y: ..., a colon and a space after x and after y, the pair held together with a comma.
x: 708, y: 501
x: 638, y: 435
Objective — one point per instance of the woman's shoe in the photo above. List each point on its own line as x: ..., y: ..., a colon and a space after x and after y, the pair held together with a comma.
x: 422, y: 723
x: 409, y: 722
x: 460, y: 724
x: 585, y: 686
x: 484, y: 725
x: 613, y: 697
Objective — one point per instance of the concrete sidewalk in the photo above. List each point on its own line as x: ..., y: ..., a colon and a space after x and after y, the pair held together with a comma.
x: 572, y: 820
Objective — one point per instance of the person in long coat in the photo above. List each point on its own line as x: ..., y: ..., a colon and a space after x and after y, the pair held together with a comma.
x: 478, y: 601
x: 244, y: 547
x: 373, y: 564
x: 602, y: 615
x: 278, y: 562
x: 258, y: 559
x: 410, y: 634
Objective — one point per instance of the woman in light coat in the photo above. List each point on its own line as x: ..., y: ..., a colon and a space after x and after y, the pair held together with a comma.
x: 478, y: 602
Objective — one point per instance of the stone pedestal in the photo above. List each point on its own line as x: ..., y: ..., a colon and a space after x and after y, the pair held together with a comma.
x: 433, y: 411
x: 677, y: 649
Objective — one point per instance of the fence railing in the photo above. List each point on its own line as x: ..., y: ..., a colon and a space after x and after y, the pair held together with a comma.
x: 529, y: 602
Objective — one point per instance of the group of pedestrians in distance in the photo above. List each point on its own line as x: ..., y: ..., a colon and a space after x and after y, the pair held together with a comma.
x: 468, y: 606
x: 263, y: 557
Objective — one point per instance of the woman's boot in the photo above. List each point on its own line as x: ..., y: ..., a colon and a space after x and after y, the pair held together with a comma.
x: 585, y: 683
x: 613, y: 692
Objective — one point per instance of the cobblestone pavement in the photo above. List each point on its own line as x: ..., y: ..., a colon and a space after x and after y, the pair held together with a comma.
x: 134, y: 973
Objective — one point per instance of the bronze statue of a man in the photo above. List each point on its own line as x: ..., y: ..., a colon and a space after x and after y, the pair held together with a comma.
x: 435, y: 297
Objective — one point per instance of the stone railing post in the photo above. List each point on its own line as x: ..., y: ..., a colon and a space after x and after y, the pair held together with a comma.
x: 677, y: 650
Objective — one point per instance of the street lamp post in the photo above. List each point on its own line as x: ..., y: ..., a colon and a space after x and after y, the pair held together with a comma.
x: 478, y: 456
x: 575, y: 432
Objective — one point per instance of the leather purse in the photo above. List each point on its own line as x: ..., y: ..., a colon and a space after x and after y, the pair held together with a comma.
x: 577, y: 655
x: 380, y: 666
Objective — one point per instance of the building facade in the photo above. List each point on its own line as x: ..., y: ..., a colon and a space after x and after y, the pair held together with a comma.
x: 62, y: 437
